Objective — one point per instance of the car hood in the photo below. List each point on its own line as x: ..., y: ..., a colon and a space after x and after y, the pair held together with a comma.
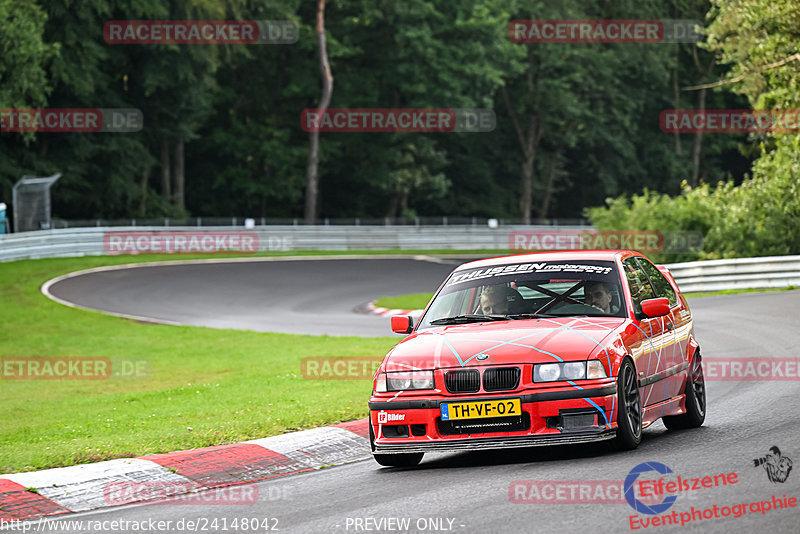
x: 507, y: 342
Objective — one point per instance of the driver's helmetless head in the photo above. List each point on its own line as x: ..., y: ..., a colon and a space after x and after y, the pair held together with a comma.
x: 597, y: 295
x: 498, y: 300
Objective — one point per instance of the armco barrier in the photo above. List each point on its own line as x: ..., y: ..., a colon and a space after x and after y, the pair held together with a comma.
x: 89, y: 241
x: 741, y: 273
x: 714, y: 275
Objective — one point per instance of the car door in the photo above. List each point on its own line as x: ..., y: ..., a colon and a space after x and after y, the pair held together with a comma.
x: 676, y: 324
x: 648, y: 349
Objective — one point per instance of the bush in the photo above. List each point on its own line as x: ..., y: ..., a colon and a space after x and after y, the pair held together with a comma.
x: 761, y: 217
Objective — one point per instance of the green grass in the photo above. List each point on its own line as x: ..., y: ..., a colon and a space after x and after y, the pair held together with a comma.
x: 206, y: 386
x: 414, y: 301
x: 417, y: 301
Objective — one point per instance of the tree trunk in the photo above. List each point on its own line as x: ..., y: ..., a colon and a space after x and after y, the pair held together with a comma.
x: 676, y: 91
x: 698, y: 141
x: 180, y: 179
x: 394, y: 202
x: 526, y: 187
x: 528, y: 144
x: 312, y: 173
x: 166, y: 179
x: 544, y: 207
x: 144, y: 185
x: 705, y: 72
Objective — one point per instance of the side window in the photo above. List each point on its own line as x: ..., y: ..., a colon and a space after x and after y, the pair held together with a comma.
x: 659, y: 282
x: 638, y: 283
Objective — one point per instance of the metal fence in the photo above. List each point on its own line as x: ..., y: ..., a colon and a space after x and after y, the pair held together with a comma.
x: 268, y: 221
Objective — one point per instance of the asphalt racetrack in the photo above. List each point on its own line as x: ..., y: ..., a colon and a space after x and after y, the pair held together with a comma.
x: 292, y: 296
x: 476, y: 492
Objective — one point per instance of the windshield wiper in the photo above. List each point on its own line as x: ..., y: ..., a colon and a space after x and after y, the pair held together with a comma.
x: 531, y: 316
x: 469, y: 318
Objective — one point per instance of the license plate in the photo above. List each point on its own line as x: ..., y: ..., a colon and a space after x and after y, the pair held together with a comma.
x: 481, y: 409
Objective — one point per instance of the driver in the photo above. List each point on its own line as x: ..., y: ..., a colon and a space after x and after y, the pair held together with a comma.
x: 598, y: 296
x: 499, y: 300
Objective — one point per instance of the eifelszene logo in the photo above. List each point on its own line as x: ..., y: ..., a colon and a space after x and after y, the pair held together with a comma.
x: 630, y: 496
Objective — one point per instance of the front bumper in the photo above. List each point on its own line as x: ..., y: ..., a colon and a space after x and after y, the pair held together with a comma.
x: 412, y: 425
x: 476, y: 444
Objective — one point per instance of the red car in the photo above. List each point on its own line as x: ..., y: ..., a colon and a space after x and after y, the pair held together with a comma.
x: 539, y: 349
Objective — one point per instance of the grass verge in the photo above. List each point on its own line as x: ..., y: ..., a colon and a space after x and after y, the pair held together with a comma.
x: 414, y: 301
x: 205, y: 386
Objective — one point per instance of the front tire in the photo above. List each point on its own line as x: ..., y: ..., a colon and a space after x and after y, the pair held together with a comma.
x: 393, y: 460
x: 695, y: 400
x: 629, y: 415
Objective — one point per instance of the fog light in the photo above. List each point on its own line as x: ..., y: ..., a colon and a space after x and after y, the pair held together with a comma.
x: 595, y: 369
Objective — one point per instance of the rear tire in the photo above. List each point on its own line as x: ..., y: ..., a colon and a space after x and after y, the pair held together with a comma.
x: 393, y: 460
x: 629, y: 414
x: 695, y: 400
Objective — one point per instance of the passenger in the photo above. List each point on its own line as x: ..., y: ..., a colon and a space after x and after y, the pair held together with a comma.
x: 598, y: 296
x: 500, y: 300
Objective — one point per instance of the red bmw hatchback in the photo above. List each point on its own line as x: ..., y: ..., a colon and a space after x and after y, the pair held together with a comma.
x: 539, y: 349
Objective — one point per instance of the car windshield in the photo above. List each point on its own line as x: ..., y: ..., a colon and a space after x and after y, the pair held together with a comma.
x: 526, y: 291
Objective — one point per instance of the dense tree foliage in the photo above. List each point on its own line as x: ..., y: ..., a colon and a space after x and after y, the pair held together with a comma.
x: 758, y: 40
x: 576, y: 123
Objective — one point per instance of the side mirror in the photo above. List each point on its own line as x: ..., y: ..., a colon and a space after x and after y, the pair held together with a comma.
x: 404, y: 324
x: 655, y: 307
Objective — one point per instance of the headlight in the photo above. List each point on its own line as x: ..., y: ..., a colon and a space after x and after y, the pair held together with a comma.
x: 404, y: 380
x: 551, y: 372
x: 546, y: 373
x: 574, y: 370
